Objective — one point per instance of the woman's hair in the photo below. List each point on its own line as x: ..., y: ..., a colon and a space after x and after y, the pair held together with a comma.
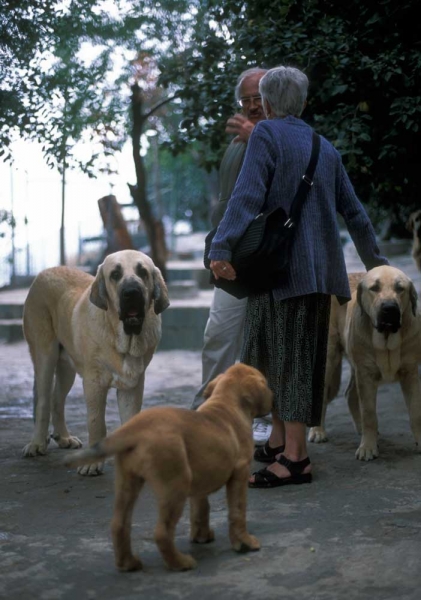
x: 244, y: 75
x: 285, y: 88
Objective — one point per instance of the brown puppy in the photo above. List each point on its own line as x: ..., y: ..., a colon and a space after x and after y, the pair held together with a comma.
x: 105, y: 329
x: 381, y: 335
x: 186, y: 454
x: 414, y: 225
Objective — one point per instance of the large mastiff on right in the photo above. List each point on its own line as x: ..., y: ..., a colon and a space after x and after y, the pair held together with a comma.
x: 380, y: 332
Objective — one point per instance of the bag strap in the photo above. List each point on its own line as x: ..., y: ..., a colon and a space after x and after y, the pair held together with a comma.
x: 306, y: 181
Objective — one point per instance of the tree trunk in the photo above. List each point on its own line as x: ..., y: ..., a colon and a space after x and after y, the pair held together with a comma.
x: 153, y: 226
x: 118, y: 236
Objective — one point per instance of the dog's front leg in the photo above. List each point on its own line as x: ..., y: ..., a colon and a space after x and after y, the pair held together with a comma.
x: 354, y: 402
x: 44, y: 367
x: 241, y: 540
x: 130, y: 401
x: 367, y: 384
x: 96, y: 399
x: 333, y: 375
x: 200, y: 533
x: 411, y: 389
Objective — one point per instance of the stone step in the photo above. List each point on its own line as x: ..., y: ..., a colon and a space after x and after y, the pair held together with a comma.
x: 11, y: 330
x: 11, y: 311
x: 183, y: 288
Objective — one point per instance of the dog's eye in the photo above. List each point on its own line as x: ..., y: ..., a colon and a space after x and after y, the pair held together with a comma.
x: 141, y: 271
x: 116, y: 274
x: 399, y: 288
x: 374, y: 288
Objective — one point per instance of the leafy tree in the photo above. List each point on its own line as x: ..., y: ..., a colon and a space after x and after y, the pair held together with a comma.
x: 363, y: 61
x: 64, y: 98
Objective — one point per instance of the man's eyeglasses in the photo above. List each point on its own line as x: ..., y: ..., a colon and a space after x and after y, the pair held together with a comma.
x: 247, y: 101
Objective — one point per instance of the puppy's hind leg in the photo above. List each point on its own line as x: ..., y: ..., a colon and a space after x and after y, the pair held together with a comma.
x: 127, y: 489
x: 171, y: 487
x: 65, y: 377
x: 241, y: 540
x: 44, y: 367
x: 171, y: 505
x: 200, y: 532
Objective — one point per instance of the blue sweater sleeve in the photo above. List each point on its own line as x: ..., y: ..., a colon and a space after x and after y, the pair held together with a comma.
x: 249, y: 194
x: 358, y: 223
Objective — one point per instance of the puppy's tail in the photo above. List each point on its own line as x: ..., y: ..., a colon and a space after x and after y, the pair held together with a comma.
x: 118, y: 442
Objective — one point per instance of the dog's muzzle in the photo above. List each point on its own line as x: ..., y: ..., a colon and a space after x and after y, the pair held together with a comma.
x: 389, y: 318
x: 132, y: 308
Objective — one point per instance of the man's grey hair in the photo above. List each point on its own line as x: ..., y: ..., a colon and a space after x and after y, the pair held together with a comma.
x: 285, y: 88
x: 244, y: 75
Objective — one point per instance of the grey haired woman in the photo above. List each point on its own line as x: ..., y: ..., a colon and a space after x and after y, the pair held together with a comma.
x: 286, y: 330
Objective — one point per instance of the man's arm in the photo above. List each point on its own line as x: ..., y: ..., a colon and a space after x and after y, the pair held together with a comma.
x: 239, y: 126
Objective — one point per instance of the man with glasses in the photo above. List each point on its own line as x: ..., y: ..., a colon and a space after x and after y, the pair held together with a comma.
x: 224, y: 329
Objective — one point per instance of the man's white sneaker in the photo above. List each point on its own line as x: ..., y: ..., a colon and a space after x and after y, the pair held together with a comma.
x: 261, y: 431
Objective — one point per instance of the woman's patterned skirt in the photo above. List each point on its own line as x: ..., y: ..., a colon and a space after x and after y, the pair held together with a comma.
x: 287, y: 341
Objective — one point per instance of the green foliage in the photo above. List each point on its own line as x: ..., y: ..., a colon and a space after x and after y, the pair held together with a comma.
x: 363, y: 61
x: 185, y: 188
x: 67, y: 70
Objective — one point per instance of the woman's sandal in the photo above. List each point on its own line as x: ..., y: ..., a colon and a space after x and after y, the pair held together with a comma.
x: 266, y: 479
x: 266, y: 454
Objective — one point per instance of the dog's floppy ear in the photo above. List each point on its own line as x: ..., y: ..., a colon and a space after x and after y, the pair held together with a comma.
x: 98, y: 294
x: 160, y: 292
x: 360, y: 296
x: 413, y: 296
x: 410, y: 223
x: 257, y: 400
x: 208, y: 391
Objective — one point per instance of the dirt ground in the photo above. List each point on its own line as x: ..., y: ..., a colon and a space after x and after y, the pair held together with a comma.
x: 354, y: 533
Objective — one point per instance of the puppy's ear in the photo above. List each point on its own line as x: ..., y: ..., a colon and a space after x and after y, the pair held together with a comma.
x: 248, y: 404
x: 160, y: 292
x: 360, y: 296
x: 208, y: 391
x: 413, y: 296
x: 257, y: 398
x: 98, y: 294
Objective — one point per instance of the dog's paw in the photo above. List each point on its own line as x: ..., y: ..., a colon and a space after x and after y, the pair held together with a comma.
x: 132, y: 563
x: 203, y: 536
x: 183, y: 562
x: 317, y: 435
x: 367, y: 452
x: 91, y: 470
x: 248, y: 543
x: 72, y: 442
x: 35, y: 449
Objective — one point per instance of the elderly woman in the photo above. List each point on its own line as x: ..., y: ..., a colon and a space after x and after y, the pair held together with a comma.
x: 286, y: 330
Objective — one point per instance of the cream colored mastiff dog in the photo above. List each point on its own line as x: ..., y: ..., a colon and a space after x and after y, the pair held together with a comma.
x: 106, y: 329
x: 380, y: 332
x: 184, y: 454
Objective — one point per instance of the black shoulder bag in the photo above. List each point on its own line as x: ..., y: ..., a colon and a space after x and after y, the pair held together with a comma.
x: 261, y: 256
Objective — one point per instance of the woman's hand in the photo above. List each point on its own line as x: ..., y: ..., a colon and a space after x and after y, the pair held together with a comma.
x: 222, y: 268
